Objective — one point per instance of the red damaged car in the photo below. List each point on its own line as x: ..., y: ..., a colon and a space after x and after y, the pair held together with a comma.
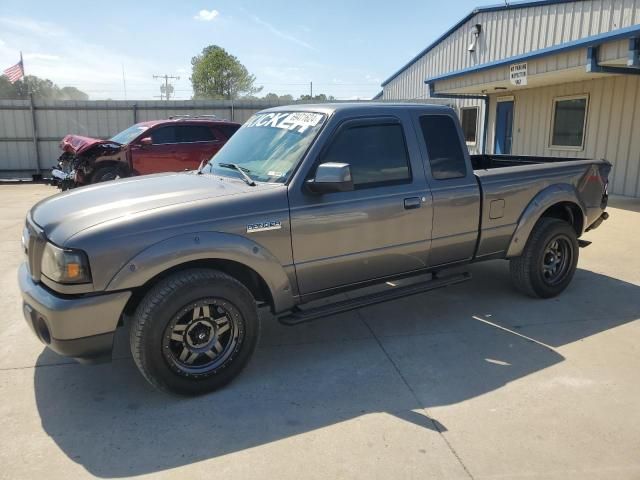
x: 173, y: 145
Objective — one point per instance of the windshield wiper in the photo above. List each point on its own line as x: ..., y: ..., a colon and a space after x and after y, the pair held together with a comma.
x: 242, y: 171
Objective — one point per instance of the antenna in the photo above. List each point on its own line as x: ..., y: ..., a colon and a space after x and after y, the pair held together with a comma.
x: 124, y: 83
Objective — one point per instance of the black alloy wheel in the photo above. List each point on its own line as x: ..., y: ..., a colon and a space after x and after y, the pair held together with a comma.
x: 202, y: 336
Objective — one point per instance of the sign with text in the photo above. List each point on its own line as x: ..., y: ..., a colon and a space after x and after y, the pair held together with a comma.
x: 518, y: 74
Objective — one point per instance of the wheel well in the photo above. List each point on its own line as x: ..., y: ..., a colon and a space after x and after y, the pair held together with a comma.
x: 121, y: 166
x: 245, y: 275
x: 569, y: 212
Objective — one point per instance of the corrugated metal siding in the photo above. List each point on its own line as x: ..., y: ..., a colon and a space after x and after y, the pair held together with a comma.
x: 551, y: 63
x: 512, y: 32
x: 101, y: 119
x: 614, y: 101
x: 613, y: 123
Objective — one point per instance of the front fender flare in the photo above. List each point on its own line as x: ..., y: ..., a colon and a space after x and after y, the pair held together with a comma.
x: 548, y: 197
x: 190, y: 247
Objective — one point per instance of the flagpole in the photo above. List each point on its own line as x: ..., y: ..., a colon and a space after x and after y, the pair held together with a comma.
x: 24, y: 73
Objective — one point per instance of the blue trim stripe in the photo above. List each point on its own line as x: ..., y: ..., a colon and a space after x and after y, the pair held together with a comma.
x: 475, y: 11
x: 591, y: 41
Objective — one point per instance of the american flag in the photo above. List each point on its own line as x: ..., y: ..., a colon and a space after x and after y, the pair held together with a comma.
x: 16, y: 72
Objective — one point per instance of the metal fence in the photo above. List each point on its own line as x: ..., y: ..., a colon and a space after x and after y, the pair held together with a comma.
x: 30, y: 131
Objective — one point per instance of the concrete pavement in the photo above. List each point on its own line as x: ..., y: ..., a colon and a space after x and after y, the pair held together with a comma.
x: 473, y: 381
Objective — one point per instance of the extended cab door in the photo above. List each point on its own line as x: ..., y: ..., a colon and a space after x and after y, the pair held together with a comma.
x: 381, y: 228
x: 454, y: 187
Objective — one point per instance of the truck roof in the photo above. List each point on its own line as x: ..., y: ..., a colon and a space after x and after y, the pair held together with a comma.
x: 357, y: 106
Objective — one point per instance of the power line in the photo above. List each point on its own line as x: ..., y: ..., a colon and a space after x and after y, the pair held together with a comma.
x: 167, y: 88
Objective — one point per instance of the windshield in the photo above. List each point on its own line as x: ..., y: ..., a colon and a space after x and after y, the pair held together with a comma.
x: 129, y: 134
x: 268, y: 146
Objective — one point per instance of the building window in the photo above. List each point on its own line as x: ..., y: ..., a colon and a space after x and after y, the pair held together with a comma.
x: 469, y: 120
x: 569, y: 122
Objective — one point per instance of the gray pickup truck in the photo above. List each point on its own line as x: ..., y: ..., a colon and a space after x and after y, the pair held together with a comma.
x: 302, y: 203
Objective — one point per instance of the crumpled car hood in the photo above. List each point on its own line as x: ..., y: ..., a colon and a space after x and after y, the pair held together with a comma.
x: 77, y: 144
x: 68, y: 213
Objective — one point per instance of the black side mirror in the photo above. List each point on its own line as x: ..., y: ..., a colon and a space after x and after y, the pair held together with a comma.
x: 331, y: 177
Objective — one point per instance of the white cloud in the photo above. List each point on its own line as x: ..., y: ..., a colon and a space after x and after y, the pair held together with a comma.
x: 31, y: 26
x: 206, y: 15
x: 69, y: 60
x: 41, y: 56
x: 281, y: 34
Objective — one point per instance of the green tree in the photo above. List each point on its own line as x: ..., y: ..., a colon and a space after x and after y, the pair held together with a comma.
x: 42, y: 88
x: 274, y: 97
x: 317, y: 98
x: 217, y: 74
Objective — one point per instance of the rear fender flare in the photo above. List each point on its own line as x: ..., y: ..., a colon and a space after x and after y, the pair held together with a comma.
x: 190, y: 247
x: 545, y: 199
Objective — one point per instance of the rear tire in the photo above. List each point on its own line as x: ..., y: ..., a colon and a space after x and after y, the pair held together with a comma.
x: 549, y: 259
x: 105, y: 174
x: 194, y: 331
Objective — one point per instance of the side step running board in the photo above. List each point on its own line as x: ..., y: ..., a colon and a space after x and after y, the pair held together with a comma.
x: 301, y: 316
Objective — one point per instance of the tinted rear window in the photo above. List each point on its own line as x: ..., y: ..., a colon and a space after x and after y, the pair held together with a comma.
x: 443, y: 147
x: 195, y: 133
x: 228, y: 130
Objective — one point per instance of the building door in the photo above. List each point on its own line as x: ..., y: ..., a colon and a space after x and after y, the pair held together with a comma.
x: 504, y: 127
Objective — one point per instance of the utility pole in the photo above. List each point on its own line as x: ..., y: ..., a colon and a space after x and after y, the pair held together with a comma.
x: 166, y: 89
x: 124, y: 83
x: 311, y: 90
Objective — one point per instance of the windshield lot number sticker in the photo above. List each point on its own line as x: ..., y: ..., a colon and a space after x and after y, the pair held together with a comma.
x: 299, y: 121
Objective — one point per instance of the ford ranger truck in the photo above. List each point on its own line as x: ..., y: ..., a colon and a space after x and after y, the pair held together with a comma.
x: 302, y: 203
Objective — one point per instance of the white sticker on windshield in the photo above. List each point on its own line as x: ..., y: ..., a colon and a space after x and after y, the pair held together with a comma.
x: 299, y: 121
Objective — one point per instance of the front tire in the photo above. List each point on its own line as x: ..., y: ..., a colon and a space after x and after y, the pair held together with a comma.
x: 105, y: 174
x: 194, y: 331
x: 549, y: 259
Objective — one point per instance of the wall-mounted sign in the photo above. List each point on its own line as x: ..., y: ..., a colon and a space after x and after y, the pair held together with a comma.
x: 518, y: 74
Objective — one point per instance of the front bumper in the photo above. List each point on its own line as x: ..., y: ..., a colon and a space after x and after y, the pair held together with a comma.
x: 81, y: 327
x: 63, y: 180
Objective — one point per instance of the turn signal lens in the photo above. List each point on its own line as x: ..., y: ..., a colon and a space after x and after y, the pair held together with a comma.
x: 65, y: 265
x: 73, y: 270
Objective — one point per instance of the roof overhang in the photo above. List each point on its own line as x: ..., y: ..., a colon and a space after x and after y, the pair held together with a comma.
x: 615, y: 52
x: 473, y: 13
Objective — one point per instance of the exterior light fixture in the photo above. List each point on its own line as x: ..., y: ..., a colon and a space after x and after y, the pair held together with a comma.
x: 475, y: 33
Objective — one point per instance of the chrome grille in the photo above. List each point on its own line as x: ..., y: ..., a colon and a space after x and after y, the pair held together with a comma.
x: 35, y: 245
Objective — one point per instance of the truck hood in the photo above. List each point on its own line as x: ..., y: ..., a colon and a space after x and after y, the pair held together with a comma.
x: 66, y: 214
x: 77, y: 144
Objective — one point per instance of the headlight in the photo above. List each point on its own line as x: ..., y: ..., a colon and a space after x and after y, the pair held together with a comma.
x: 65, y: 266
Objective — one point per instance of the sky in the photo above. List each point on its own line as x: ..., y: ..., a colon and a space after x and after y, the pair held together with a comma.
x: 346, y: 48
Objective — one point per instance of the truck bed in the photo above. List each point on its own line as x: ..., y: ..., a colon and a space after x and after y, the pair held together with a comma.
x: 488, y: 162
x: 509, y: 183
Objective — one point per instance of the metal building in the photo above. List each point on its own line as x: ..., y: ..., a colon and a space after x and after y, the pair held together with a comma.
x: 550, y: 77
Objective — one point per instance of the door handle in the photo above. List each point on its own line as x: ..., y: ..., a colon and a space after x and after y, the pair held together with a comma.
x: 412, y: 202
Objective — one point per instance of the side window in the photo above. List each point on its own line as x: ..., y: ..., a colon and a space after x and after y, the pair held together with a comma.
x: 443, y: 147
x: 163, y: 135
x: 195, y: 133
x: 469, y: 121
x: 228, y: 130
x: 377, y: 154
